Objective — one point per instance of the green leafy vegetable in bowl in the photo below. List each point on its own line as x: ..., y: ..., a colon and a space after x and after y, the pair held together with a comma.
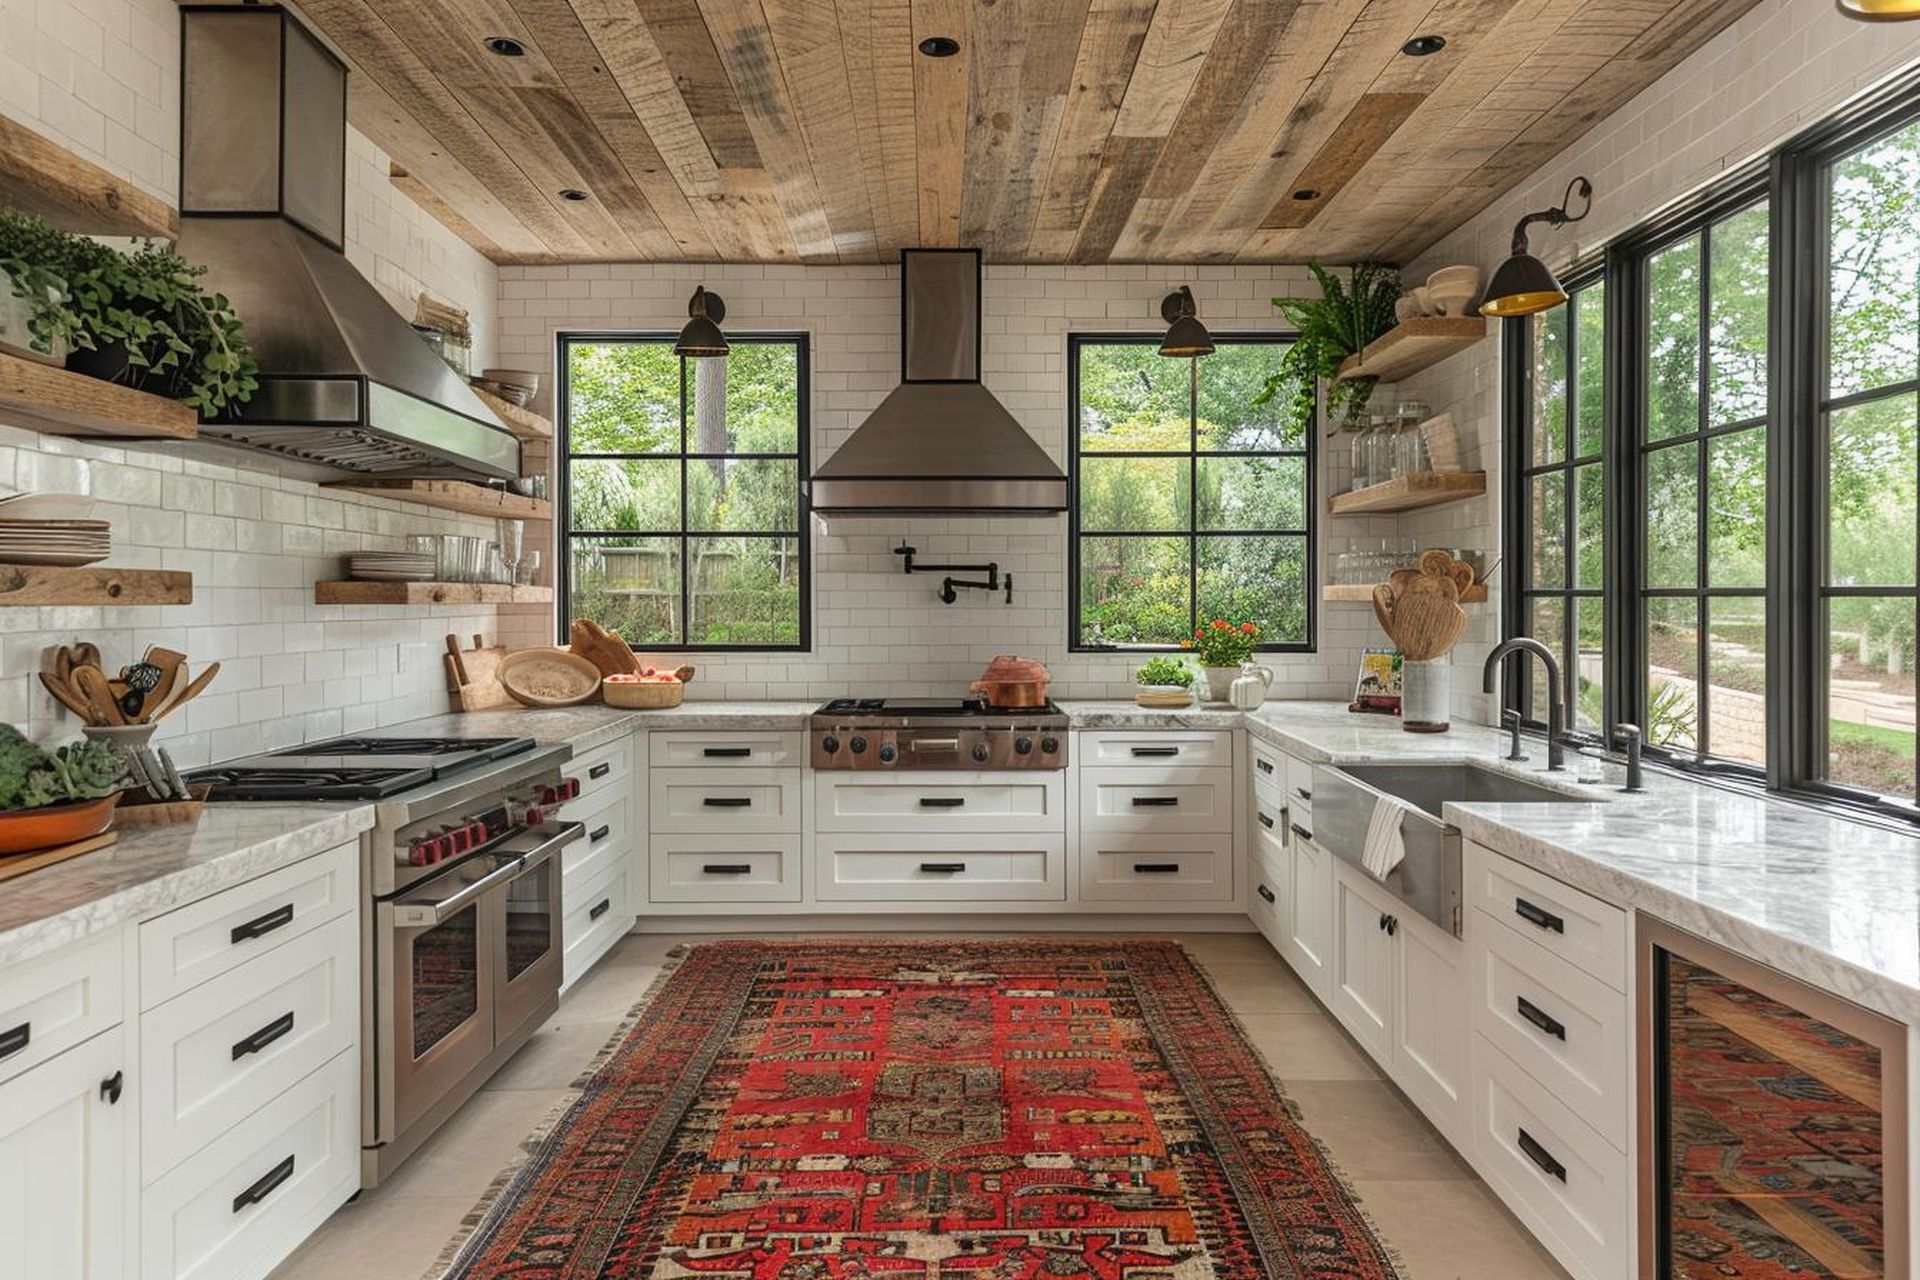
x: 31, y: 778
x: 1165, y: 671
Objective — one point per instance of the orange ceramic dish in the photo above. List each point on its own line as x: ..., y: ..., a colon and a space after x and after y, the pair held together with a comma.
x: 55, y: 825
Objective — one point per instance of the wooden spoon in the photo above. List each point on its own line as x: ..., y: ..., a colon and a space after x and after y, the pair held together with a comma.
x: 63, y: 694
x: 192, y: 691
x: 91, y: 684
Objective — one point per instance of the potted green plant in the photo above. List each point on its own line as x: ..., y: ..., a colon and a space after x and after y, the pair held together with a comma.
x: 1335, y: 325
x: 1164, y: 682
x: 1223, y: 647
x: 50, y: 798
x: 51, y: 292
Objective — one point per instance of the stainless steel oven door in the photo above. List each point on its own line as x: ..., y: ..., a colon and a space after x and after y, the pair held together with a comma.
x: 528, y: 964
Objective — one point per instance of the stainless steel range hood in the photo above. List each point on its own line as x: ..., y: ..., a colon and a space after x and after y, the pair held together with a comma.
x: 940, y: 443
x: 344, y: 381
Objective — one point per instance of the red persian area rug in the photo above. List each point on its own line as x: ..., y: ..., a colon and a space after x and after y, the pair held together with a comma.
x: 965, y: 1110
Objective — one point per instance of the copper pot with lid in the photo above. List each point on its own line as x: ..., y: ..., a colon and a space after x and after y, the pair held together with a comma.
x: 1009, y: 681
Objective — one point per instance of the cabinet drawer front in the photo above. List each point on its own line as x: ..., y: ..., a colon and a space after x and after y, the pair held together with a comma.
x: 1573, y: 925
x: 766, y: 748
x: 186, y: 947
x: 940, y: 802
x: 221, y: 1050
x: 1157, y: 868
x: 1187, y: 747
x: 940, y: 868
x: 241, y: 1204
x: 1299, y: 783
x: 1565, y: 1027
x: 609, y: 837
x: 1270, y: 822
x: 693, y: 801
x: 1267, y: 905
x: 592, y: 920
x: 725, y: 869
x: 53, y: 1003
x: 607, y: 768
x: 1156, y: 800
x: 1557, y: 1175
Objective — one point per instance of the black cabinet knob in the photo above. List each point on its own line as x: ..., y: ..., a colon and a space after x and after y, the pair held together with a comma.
x: 111, y: 1086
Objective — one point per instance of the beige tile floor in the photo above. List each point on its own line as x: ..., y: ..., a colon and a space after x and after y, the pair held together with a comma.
x: 1429, y: 1205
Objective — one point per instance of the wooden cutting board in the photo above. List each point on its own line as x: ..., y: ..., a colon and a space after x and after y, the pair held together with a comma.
x: 480, y: 689
x: 18, y: 864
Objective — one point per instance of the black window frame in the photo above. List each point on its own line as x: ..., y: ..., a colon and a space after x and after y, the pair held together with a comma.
x: 1308, y: 452
x: 1792, y: 180
x: 564, y: 455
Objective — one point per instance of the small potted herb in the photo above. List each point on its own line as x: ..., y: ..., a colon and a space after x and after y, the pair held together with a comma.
x: 1164, y: 682
x: 56, y: 797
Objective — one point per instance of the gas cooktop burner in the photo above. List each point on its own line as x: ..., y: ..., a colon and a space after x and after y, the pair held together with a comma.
x: 891, y: 734
x: 254, y: 783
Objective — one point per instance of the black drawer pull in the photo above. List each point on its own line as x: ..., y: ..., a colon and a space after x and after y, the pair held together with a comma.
x: 1156, y: 868
x: 261, y: 925
x: 943, y: 868
x: 265, y: 1187
x: 111, y: 1086
x: 1156, y: 751
x: 14, y: 1039
x: 1541, y: 1156
x: 601, y: 770
x: 1301, y: 831
x: 728, y: 802
x: 1303, y: 793
x: 264, y: 1036
x: 1533, y: 1013
x: 1156, y: 802
x: 599, y: 833
x: 942, y: 802
x: 1265, y: 892
x: 1538, y: 917
x: 599, y: 908
x: 1264, y: 766
x: 1266, y: 820
x: 727, y: 753
x: 727, y: 869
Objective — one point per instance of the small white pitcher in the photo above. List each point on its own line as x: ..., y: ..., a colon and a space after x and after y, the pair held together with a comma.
x: 1249, y: 688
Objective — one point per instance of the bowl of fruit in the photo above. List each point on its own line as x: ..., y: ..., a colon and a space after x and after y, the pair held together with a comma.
x: 646, y: 689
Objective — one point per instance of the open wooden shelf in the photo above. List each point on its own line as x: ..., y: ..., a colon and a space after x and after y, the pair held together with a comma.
x: 31, y: 584
x: 452, y: 495
x: 41, y: 397
x: 524, y: 423
x: 351, y: 592
x: 41, y: 177
x: 1413, y: 345
x: 1361, y: 593
x: 1410, y: 493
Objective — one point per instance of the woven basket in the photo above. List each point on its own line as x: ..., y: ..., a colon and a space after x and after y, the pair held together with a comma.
x: 649, y: 696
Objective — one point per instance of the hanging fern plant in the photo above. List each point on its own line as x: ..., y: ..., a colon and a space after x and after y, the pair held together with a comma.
x: 1337, y: 324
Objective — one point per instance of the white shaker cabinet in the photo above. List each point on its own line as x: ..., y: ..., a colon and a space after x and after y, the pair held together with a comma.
x: 63, y: 1156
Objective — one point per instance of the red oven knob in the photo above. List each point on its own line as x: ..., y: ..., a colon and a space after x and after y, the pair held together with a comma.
x: 563, y: 790
x: 424, y: 851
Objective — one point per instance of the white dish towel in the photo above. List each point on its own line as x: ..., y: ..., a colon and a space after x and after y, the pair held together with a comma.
x: 1385, y: 849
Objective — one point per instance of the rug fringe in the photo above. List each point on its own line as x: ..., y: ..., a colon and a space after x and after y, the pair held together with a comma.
x: 530, y: 1146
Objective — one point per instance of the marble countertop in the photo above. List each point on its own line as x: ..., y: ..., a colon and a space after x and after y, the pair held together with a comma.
x: 587, y: 727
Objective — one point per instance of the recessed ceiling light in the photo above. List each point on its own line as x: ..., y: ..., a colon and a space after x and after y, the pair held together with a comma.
x: 939, y: 46
x: 1307, y: 193
x: 1421, y: 46
x: 572, y: 193
x: 506, y: 47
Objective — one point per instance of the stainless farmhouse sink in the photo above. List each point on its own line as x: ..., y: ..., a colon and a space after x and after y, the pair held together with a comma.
x: 1429, y: 879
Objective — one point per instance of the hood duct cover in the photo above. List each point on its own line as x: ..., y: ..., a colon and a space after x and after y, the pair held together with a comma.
x: 940, y: 443
x: 344, y: 380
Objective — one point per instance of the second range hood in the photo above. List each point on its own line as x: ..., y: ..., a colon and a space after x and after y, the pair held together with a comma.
x: 345, y: 382
x: 940, y: 443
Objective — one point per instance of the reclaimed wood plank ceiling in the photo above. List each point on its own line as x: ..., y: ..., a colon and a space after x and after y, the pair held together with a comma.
x: 1061, y: 131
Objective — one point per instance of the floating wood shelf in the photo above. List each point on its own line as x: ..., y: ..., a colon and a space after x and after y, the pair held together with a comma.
x: 1410, y: 493
x: 452, y: 495
x: 58, y: 402
x: 1413, y: 345
x: 524, y: 423
x: 41, y: 177
x: 29, y: 584
x: 1361, y: 593
x: 349, y: 592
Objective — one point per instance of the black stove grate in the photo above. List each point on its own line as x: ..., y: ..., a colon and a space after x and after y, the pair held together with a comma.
x: 371, y: 746
x: 254, y: 783
x: 930, y: 707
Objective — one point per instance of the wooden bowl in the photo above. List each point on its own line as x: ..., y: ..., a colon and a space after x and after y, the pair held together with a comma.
x: 55, y: 825
x: 548, y: 678
x: 642, y: 695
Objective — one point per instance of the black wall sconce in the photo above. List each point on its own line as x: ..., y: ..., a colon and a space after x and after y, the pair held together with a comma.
x: 1522, y: 285
x: 702, y: 337
x: 1186, y: 336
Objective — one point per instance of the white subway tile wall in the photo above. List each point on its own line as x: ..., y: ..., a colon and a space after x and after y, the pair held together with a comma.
x: 875, y: 628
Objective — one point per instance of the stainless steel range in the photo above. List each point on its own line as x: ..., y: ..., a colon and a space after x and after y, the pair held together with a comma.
x: 890, y: 734
x: 460, y: 946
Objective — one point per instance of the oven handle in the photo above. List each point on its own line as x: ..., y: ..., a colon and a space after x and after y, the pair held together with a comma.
x: 514, y: 864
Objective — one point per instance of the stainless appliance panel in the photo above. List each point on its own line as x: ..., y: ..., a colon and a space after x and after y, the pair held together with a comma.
x: 1429, y: 879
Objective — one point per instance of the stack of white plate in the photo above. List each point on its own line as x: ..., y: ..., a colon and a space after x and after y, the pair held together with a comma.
x: 54, y: 542
x: 391, y: 566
